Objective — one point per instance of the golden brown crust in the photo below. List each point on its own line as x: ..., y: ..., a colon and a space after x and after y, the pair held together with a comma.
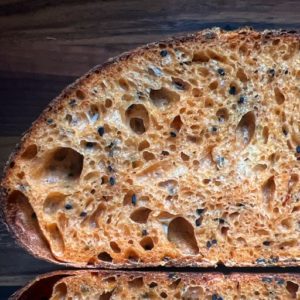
x: 42, y: 286
x: 9, y: 211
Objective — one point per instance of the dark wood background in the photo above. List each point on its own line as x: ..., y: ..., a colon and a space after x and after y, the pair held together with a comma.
x: 45, y: 45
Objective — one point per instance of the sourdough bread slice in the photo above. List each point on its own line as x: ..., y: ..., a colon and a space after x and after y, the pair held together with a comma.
x: 153, y: 285
x: 183, y: 152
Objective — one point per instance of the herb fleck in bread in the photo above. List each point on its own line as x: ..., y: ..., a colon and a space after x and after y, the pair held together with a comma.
x: 184, y: 152
x: 138, y: 285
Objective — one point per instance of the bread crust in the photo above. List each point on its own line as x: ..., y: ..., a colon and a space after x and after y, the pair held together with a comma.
x: 9, y: 213
x: 196, y: 278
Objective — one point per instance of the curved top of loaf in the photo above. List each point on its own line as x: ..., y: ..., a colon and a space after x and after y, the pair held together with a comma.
x: 18, y: 212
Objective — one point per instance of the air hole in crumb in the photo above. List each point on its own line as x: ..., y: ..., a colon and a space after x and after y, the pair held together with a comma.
x: 140, y: 215
x: 148, y: 155
x: 179, y: 84
x: 104, y: 256
x: 213, y: 85
x: 209, y: 102
x: 80, y: 94
x: 176, y: 123
x: 279, y: 96
x: 222, y: 114
x: 30, y: 152
x: 60, y: 291
x: 108, y: 103
x: 143, y: 145
x: 53, y: 203
x: 61, y: 164
x: 265, y: 134
x: 115, y: 247
x: 246, y: 128
x: 106, y: 295
x: 21, y: 175
x: 200, y: 57
x: 268, y: 189
x: 147, y: 243
x: 181, y: 233
x: 197, y: 92
x: 240, y: 74
x: 292, y: 288
x: 138, y: 118
x: 132, y: 255
x: 163, y: 97
x: 136, y: 282
x: 123, y: 84
x: 184, y: 156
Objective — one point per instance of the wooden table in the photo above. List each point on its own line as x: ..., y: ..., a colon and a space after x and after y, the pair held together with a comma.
x: 45, y: 45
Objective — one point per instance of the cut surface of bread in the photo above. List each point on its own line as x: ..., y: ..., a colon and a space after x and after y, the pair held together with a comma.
x: 137, y: 285
x: 184, y: 152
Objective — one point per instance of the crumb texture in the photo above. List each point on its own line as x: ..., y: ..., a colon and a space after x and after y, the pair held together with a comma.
x: 175, y: 286
x: 186, y: 152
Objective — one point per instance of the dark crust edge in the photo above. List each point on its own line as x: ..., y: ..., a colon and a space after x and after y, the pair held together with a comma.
x: 188, y: 276
x: 53, y: 106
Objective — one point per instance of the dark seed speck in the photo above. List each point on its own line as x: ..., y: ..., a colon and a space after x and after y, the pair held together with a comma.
x: 163, y: 53
x: 266, y: 243
x: 214, y: 129
x: 298, y: 149
x: 110, y: 169
x: 173, y: 134
x: 164, y: 152
x: 241, y: 100
x: 133, y: 199
x: 49, y: 121
x: 221, y: 71
x: 144, y: 232
x: 89, y: 144
x: 279, y: 280
x: 266, y: 279
x: 232, y: 90
x: 200, y: 211
x: 83, y: 214
x: 112, y: 180
x: 72, y: 102
x: 271, y: 72
x: 260, y: 261
x: 101, y: 131
x: 198, y: 222
x: 68, y: 206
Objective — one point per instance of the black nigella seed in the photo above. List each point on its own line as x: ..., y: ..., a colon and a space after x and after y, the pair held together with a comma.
x: 200, y: 211
x: 68, y: 206
x: 133, y: 199
x: 214, y: 242
x: 83, y: 214
x: 112, y: 180
x: 214, y: 129
x: 216, y: 297
x: 285, y: 132
x: 179, y: 85
x: 198, y: 222
x: 208, y: 244
x: 72, y: 102
x: 163, y: 53
x: 89, y: 144
x: 298, y: 149
x: 241, y: 100
x: 164, y: 152
x: 144, y: 232
x: 271, y: 72
x: 221, y: 221
x: 286, y: 72
x: 260, y: 261
x: 266, y: 243
x: 266, y: 279
x: 49, y: 121
x: 232, y: 90
x: 109, y: 168
x: 221, y: 71
x: 279, y: 280
x: 173, y: 134
x: 101, y: 131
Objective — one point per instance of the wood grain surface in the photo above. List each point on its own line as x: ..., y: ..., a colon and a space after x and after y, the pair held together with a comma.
x: 45, y: 45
